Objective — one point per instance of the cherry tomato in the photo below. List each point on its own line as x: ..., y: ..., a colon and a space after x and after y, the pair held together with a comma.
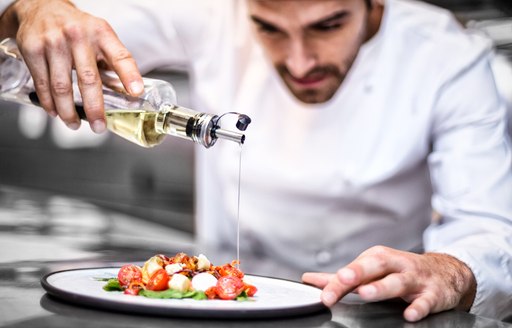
x: 158, y: 280
x: 229, y: 287
x: 129, y: 273
x: 250, y: 290
x: 132, y: 291
x: 230, y: 270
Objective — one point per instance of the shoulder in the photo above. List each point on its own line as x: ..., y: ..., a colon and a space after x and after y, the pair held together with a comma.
x: 431, y: 35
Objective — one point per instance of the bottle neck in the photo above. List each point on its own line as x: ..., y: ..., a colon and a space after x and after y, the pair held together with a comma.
x: 202, y: 128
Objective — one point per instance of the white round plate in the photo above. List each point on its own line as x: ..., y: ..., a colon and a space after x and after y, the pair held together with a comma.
x: 275, y: 297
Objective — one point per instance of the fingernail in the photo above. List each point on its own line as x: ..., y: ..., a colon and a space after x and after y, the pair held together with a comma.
x: 98, y: 126
x: 347, y: 275
x: 329, y: 298
x: 368, y: 291
x: 52, y: 113
x: 136, y: 87
x: 73, y: 125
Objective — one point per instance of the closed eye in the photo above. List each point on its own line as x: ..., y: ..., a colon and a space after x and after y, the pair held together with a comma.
x: 332, y: 22
x: 264, y: 26
x: 326, y: 27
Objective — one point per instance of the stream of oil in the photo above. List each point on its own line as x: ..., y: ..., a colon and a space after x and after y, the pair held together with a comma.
x: 238, y: 208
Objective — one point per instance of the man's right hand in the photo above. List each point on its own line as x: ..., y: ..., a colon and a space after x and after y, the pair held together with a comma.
x: 55, y: 37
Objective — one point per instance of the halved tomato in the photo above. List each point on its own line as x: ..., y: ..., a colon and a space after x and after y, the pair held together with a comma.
x: 229, y: 287
x: 129, y: 273
x: 158, y: 281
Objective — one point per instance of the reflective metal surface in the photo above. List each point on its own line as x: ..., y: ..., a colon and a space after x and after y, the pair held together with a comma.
x: 41, y: 232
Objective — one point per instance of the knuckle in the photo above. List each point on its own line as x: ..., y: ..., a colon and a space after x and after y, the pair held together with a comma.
x: 410, y: 279
x: 380, y: 261
x: 379, y: 249
x: 61, y: 88
x: 41, y: 85
x: 53, y: 40
x: 74, y: 32
x: 416, y: 267
x: 121, y: 54
x: 102, y: 26
x: 403, y: 282
x: 88, y: 77
x: 30, y: 47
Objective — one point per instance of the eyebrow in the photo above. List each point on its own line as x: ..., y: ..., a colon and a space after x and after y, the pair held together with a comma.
x: 325, y: 20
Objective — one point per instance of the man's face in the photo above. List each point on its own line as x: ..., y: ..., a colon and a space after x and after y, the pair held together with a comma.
x: 311, y: 43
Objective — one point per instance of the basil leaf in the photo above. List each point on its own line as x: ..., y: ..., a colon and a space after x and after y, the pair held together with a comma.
x: 104, y: 279
x: 243, y: 297
x: 168, y: 293
x: 199, y: 296
x: 113, y: 285
x: 171, y: 293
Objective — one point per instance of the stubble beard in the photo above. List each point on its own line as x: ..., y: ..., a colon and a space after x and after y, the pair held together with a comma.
x: 314, y: 95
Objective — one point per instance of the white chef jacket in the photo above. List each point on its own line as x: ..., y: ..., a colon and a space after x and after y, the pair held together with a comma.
x: 416, y: 128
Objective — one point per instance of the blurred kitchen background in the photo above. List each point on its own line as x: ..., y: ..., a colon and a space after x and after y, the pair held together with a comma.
x: 39, y: 152
x: 155, y: 185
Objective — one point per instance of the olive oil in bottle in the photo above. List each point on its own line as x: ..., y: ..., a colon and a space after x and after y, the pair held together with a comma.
x: 137, y: 126
x: 148, y: 128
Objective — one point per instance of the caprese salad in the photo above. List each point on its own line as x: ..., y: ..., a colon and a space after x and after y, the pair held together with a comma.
x: 182, y: 276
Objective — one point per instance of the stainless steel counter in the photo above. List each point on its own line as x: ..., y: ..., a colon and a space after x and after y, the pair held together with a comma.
x: 41, y: 232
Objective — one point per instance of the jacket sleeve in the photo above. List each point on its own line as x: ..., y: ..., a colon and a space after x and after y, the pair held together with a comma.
x: 470, y: 167
x: 160, y: 33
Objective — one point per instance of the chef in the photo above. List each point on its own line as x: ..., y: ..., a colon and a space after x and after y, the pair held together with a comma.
x: 377, y: 160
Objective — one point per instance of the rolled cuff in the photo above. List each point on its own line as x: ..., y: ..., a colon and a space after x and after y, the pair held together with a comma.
x: 493, y: 298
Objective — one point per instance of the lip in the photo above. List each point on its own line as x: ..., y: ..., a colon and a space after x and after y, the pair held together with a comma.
x: 309, y: 81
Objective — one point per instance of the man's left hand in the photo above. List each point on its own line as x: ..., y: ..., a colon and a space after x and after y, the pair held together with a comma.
x: 430, y: 282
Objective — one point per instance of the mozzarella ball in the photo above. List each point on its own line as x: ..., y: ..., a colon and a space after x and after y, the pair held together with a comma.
x: 203, y: 281
x: 179, y: 282
x: 202, y: 263
x: 173, y: 268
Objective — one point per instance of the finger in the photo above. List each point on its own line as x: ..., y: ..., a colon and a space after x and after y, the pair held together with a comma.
x: 61, y: 86
x: 334, y: 291
x: 330, y: 294
x: 419, y: 308
x: 318, y: 279
x: 90, y: 85
x: 371, y: 265
x: 391, y: 286
x: 119, y: 58
x: 38, y: 67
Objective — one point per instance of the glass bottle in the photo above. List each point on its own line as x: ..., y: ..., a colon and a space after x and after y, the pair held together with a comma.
x: 145, y: 120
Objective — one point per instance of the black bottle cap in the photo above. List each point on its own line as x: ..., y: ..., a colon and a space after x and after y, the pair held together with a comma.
x: 243, y: 122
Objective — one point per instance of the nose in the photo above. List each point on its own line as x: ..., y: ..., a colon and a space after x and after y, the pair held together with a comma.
x: 300, y: 59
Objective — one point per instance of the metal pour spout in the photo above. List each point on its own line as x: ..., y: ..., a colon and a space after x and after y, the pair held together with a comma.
x: 229, y: 135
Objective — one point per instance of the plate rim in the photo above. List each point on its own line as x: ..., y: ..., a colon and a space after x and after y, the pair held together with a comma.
x: 113, y: 305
